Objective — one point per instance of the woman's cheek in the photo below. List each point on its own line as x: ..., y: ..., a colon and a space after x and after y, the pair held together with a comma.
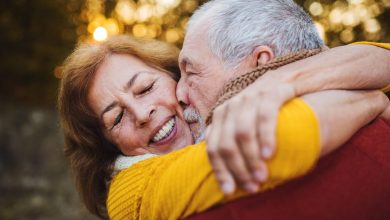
x: 170, y: 94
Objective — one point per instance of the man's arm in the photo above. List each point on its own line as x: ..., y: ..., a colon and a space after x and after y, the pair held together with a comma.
x: 352, y: 67
x: 348, y: 67
x: 253, y: 123
x: 343, y: 116
x: 339, y: 113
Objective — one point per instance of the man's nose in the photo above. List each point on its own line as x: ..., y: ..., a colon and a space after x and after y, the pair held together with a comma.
x: 182, y: 93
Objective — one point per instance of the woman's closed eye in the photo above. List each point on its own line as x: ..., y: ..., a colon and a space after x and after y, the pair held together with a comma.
x: 117, y: 119
x: 146, y: 89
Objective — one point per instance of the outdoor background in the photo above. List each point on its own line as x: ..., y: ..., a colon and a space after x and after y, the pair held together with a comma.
x: 36, y: 36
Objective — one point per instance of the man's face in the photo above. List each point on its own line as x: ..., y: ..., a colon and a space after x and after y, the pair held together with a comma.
x: 202, y: 74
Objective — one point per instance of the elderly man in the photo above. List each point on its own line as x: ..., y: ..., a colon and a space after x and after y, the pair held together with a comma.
x: 228, y: 38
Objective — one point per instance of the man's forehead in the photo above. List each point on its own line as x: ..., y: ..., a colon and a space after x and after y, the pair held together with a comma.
x: 193, y: 51
x: 197, y: 33
x: 189, y: 52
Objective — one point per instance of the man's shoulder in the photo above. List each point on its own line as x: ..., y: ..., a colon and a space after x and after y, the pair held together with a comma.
x: 350, y: 183
x: 373, y: 141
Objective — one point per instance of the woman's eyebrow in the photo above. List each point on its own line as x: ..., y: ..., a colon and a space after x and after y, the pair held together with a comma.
x: 128, y: 85
x: 132, y: 80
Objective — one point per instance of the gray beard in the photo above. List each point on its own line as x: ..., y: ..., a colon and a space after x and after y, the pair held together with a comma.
x: 191, y: 115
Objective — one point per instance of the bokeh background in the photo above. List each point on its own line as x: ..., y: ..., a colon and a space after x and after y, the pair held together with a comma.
x: 36, y: 36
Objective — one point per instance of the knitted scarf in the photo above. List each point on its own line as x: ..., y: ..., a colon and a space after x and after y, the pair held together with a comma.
x: 238, y: 84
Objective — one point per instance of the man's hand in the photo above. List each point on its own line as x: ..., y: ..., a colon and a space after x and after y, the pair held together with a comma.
x: 386, y: 114
x: 242, y: 134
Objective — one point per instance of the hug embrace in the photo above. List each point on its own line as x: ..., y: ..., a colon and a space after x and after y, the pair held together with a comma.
x: 279, y: 105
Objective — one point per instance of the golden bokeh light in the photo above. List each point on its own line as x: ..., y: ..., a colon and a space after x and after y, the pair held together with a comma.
x: 350, y: 19
x: 153, y: 31
x: 361, y: 11
x: 112, y: 26
x: 172, y: 35
x: 126, y: 11
x: 140, y: 30
x: 168, y: 3
x: 336, y: 15
x: 347, y: 36
x: 372, y: 26
x: 345, y: 21
x: 338, y: 22
x: 316, y: 9
x: 160, y: 11
x: 100, y: 34
x: 355, y: 2
x: 190, y: 5
x: 144, y: 13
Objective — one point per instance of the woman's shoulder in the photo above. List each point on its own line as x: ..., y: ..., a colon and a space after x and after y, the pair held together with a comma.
x: 128, y: 187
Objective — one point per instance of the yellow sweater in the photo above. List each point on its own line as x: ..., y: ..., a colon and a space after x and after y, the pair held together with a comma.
x: 182, y: 183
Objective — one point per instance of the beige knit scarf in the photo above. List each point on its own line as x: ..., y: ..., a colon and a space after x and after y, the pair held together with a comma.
x: 238, y: 84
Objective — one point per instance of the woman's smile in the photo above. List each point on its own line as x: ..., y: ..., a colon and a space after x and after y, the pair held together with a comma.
x: 165, y: 133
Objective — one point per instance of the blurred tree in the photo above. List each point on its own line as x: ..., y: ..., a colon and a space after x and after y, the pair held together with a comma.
x: 37, y: 35
x: 344, y: 21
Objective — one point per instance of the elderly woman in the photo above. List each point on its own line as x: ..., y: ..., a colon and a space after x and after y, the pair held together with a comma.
x: 118, y: 98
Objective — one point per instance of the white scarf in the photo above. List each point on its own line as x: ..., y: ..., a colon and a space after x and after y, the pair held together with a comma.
x: 124, y: 162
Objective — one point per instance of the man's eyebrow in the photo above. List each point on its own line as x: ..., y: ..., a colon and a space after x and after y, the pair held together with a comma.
x: 108, y: 108
x: 184, y: 62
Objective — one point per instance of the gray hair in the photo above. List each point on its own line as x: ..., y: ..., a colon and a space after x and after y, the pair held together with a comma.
x: 238, y: 26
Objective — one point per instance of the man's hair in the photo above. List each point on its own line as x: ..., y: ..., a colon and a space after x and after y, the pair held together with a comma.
x: 236, y: 27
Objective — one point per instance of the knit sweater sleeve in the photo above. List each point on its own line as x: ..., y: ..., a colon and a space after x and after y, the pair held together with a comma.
x: 383, y: 45
x: 182, y: 183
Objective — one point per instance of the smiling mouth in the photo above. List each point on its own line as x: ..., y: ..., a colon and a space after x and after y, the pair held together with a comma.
x: 165, y: 131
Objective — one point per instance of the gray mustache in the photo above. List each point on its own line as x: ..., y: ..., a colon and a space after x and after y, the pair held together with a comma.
x: 191, y: 115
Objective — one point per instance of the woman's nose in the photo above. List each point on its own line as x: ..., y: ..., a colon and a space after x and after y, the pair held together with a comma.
x: 141, y: 111
x: 143, y: 115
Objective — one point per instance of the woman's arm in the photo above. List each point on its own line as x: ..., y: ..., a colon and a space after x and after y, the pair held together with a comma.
x: 182, y: 183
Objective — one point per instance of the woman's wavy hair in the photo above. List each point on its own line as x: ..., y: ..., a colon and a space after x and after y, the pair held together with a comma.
x: 90, y: 155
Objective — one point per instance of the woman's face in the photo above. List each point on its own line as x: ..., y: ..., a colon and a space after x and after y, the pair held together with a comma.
x: 137, y: 106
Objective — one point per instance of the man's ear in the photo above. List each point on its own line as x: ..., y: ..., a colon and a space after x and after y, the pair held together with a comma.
x: 261, y: 55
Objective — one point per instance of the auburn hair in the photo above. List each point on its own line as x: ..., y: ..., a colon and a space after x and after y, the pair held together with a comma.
x: 90, y: 155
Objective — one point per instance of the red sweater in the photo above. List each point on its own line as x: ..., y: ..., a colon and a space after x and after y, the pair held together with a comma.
x: 350, y: 183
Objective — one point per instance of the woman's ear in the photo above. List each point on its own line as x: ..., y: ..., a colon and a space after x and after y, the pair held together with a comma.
x: 261, y: 55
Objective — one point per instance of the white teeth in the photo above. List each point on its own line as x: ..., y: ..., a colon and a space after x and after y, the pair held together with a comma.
x: 164, y: 131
